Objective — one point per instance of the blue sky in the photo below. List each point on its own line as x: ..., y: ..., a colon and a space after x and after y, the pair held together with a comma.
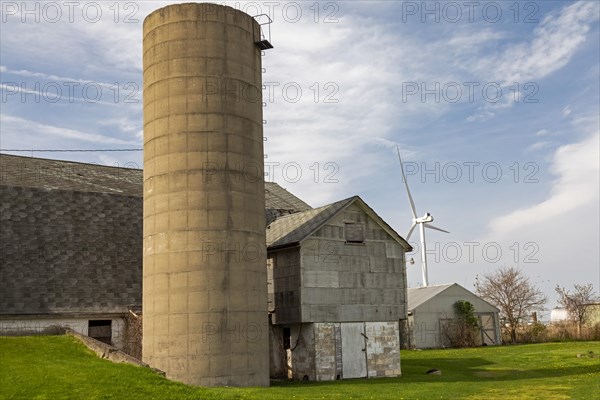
x: 362, y: 68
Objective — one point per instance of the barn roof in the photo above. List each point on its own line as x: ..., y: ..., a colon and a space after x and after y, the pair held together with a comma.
x: 278, y: 198
x: 68, y: 175
x: 290, y: 230
x: 85, y: 177
x: 293, y: 228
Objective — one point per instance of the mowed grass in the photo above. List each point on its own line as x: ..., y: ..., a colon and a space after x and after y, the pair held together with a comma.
x: 59, y: 367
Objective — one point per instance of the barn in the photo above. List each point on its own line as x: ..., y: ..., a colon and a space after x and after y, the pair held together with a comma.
x: 71, y: 247
x: 337, y: 290
x: 72, y: 256
x: 431, y: 308
x: 71, y: 237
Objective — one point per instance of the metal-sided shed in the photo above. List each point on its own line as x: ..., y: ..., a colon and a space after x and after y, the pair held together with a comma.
x: 430, y: 308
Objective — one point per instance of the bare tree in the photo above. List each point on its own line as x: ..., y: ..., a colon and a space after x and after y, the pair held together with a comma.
x: 577, y: 303
x: 512, y: 292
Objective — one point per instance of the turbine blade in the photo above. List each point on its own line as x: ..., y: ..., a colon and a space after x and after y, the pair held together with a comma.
x: 434, y: 227
x: 412, y: 228
x: 410, y: 199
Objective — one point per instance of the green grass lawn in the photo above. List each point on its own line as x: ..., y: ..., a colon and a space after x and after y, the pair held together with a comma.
x: 59, y: 367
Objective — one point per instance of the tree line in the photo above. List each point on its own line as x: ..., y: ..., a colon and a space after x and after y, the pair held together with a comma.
x: 517, y: 298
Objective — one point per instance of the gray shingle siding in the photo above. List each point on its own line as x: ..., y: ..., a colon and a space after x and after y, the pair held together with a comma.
x: 69, y: 251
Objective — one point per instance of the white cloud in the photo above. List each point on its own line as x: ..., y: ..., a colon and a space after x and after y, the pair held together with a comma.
x: 555, y: 41
x: 125, y: 124
x: 14, y: 128
x: 566, y: 111
x: 538, y: 146
x: 51, y: 77
x: 578, y: 173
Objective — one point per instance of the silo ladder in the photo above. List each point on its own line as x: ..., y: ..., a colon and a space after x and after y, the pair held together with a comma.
x: 265, y: 39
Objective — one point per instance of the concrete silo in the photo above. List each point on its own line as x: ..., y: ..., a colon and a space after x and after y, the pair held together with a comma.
x: 204, y: 284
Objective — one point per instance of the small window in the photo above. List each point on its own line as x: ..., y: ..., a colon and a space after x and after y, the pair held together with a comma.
x: 354, y: 233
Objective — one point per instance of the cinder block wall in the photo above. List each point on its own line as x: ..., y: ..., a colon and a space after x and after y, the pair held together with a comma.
x: 318, y: 350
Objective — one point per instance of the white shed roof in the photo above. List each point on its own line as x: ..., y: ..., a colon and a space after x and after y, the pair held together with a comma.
x: 418, y: 296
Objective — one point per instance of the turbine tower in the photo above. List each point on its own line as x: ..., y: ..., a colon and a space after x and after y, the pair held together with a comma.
x: 423, y: 222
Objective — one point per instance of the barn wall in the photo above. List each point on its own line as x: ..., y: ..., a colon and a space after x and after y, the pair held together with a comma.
x: 318, y: 353
x: 302, y: 352
x: 43, y: 326
x: 283, y: 285
x: 351, y: 282
x: 277, y: 353
x: 383, y: 349
x: 326, y: 368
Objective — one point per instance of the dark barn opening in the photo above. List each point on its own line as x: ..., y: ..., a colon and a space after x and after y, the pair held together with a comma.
x: 101, y: 330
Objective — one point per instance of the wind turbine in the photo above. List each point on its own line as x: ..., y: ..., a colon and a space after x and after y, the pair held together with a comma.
x: 423, y: 222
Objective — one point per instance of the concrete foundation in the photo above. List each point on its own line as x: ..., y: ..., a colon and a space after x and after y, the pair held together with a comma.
x: 204, y: 274
x: 51, y: 326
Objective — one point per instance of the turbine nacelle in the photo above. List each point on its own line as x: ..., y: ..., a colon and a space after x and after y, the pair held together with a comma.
x: 426, y: 218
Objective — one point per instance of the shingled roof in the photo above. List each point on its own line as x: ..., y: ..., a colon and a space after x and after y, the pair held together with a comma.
x: 278, y: 198
x: 84, y: 177
x: 290, y: 230
x: 68, y: 175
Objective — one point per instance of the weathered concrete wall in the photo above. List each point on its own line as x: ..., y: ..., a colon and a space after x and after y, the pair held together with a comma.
x: 303, y: 351
x: 351, y: 282
x: 284, y: 285
x: 106, y: 351
x: 383, y: 349
x: 326, y: 346
x: 317, y: 354
x: 41, y: 326
x: 277, y: 353
x: 205, y: 285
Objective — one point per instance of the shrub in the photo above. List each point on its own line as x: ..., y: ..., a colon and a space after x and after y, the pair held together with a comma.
x: 461, y: 331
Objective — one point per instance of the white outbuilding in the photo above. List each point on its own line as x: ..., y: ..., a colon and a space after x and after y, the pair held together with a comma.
x: 430, y: 308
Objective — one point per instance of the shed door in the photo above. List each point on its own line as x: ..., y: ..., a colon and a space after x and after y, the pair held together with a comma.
x: 488, y: 329
x: 354, y: 362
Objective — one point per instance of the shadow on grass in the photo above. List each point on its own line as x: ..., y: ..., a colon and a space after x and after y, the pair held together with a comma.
x: 458, y: 370
x: 478, y: 369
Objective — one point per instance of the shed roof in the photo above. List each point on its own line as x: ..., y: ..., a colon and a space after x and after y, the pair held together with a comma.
x: 291, y: 229
x: 418, y: 296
